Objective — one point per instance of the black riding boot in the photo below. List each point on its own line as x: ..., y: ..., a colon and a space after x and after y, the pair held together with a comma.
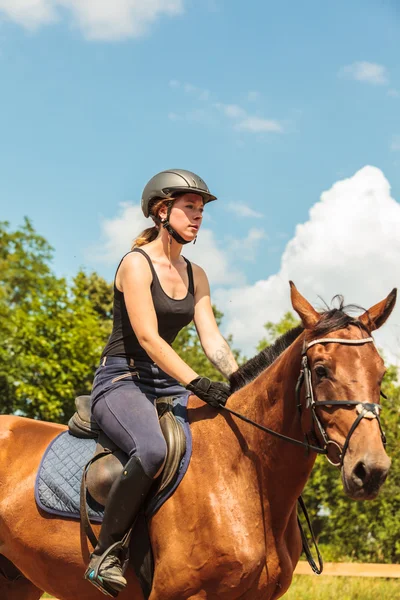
x: 126, y: 496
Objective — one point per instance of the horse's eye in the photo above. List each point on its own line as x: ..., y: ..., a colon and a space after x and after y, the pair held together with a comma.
x: 320, y: 371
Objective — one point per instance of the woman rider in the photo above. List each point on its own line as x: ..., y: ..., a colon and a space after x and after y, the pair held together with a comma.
x: 157, y: 292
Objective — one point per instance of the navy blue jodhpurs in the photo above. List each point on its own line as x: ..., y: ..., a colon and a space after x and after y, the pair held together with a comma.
x: 123, y: 404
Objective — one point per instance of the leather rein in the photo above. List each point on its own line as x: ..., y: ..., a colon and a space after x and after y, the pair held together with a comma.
x: 368, y: 410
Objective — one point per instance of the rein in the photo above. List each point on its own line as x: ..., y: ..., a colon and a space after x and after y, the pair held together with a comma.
x: 368, y: 410
x: 286, y: 438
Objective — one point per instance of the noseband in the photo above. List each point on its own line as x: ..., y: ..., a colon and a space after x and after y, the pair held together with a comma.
x: 367, y: 410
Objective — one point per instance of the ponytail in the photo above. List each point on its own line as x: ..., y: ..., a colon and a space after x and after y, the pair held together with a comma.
x: 150, y: 234
x: 147, y: 236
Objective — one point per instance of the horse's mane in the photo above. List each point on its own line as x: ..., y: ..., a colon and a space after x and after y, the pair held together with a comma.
x: 331, y: 320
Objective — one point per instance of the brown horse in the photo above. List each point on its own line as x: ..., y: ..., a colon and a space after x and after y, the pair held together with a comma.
x: 230, y: 530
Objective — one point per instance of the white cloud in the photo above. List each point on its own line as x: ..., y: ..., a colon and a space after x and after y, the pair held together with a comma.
x: 259, y: 125
x: 349, y: 245
x: 367, y: 72
x: 232, y: 111
x: 29, y: 13
x: 393, y: 93
x: 242, y: 121
x: 189, y: 88
x: 242, y: 210
x: 118, y: 233
x: 198, y: 115
x: 395, y: 143
x: 98, y: 19
x: 214, y: 260
x: 201, y: 93
x: 247, y: 247
x: 248, y: 123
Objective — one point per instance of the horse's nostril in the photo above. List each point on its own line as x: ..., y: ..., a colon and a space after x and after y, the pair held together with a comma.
x: 366, y: 475
x: 360, y: 471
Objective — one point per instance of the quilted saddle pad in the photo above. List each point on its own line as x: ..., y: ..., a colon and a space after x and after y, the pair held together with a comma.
x: 57, y: 487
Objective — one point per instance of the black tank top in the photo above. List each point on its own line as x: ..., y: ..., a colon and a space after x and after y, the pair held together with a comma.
x: 172, y: 316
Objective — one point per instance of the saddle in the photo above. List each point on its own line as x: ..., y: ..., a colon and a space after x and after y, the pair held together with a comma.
x: 102, y: 473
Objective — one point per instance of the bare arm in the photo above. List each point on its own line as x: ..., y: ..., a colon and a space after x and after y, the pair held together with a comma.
x: 222, y: 358
x: 214, y: 345
x: 134, y: 280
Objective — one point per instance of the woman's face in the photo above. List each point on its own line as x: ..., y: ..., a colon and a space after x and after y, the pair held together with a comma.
x: 186, y: 215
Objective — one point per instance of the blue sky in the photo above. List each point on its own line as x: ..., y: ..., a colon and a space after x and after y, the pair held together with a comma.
x: 271, y: 103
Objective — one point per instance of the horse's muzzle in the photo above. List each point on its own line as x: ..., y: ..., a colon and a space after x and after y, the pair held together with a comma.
x: 364, y: 477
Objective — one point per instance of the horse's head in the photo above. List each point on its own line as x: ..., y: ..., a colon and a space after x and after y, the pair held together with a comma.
x: 342, y: 380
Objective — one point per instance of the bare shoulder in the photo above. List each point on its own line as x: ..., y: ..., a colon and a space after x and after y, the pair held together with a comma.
x: 200, y: 278
x: 198, y: 271
x: 133, y: 259
x: 134, y: 267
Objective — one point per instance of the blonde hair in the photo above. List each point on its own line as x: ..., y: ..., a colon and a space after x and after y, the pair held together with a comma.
x: 151, y: 233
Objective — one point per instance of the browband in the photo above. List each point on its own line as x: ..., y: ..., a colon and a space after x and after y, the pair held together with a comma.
x: 339, y: 341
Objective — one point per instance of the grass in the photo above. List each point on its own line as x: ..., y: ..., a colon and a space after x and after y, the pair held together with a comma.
x: 311, y: 587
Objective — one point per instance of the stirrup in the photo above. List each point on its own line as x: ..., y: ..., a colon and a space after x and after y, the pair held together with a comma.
x: 100, y: 584
x: 92, y: 574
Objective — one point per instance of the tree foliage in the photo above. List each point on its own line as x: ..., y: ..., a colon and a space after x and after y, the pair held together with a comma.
x: 52, y: 332
x: 275, y: 330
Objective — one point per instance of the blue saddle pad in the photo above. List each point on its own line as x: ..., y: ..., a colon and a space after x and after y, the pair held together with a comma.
x: 58, y: 481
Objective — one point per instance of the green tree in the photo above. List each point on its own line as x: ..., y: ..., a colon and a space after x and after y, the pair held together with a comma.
x: 275, y: 330
x: 52, y: 332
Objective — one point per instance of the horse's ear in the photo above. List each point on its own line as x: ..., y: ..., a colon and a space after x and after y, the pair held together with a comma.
x: 376, y: 316
x: 306, y: 312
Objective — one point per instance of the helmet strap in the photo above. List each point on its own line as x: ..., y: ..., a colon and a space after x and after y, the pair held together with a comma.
x: 165, y: 223
x: 178, y: 238
x: 169, y: 249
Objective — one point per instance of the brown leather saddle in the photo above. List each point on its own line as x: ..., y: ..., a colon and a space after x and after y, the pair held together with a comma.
x: 102, y: 473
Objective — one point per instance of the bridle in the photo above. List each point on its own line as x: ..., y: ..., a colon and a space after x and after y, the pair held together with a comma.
x: 368, y: 410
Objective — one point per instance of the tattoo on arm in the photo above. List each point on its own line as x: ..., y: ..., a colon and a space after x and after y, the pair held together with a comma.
x: 223, y: 359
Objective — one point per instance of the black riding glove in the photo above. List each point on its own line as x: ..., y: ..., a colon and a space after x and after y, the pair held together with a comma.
x: 213, y: 392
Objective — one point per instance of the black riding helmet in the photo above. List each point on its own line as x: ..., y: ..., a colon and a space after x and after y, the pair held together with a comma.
x: 168, y: 184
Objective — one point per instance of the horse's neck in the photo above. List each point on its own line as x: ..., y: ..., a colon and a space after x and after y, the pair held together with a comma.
x: 271, y: 401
